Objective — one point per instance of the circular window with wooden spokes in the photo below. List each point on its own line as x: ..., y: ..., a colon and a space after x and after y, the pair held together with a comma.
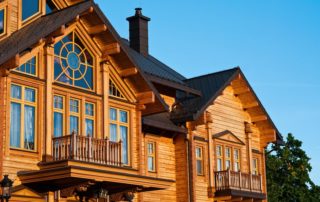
x: 73, y: 63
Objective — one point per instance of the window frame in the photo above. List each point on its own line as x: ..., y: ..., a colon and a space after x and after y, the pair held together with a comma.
x: 36, y: 66
x: 118, y: 124
x: 152, y: 155
x: 24, y: 103
x: 90, y: 117
x: 3, y: 7
x: 61, y: 111
x: 25, y: 21
x: 255, y: 171
x: 223, y: 158
x: 201, y: 159
x: 75, y: 114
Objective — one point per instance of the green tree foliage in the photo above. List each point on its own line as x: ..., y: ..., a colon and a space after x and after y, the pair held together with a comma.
x: 288, y: 170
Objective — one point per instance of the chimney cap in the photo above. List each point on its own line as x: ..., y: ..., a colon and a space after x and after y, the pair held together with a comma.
x: 138, y: 14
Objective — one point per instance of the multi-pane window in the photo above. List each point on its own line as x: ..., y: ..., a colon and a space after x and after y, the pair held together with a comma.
x: 2, y: 20
x: 23, y: 117
x: 114, y: 91
x: 236, y: 159
x: 151, y: 153
x: 29, y: 8
x: 199, y: 159
x: 219, y: 158
x: 73, y: 63
x: 255, y: 167
x: 119, y: 124
x: 58, y: 116
x: 74, y: 116
x: 227, y: 157
x: 89, y: 120
x: 30, y: 67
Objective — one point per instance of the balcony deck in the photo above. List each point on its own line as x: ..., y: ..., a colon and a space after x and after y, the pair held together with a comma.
x: 238, y: 184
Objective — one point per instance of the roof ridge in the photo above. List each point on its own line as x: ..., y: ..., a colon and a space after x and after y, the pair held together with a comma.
x: 210, y: 74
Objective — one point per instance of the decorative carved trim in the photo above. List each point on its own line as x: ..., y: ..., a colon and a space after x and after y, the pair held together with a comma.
x: 226, y: 132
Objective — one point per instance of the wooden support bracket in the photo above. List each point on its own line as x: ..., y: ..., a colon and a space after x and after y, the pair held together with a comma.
x: 241, y: 90
x: 94, y: 30
x: 146, y: 97
x: 110, y: 49
x: 12, y: 63
x: 259, y: 118
x: 128, y: 72
x: 250, y: 105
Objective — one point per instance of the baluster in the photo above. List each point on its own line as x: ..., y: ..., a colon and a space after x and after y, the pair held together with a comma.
x: 89, y: 148
x: 229, y: 179
x: 240, y: 180
x: 120, y: 152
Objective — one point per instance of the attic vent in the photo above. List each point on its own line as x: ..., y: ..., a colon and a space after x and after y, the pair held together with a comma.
x: 114, y: 91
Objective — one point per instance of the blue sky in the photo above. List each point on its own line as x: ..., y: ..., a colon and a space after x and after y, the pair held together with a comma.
x: 276, y: 44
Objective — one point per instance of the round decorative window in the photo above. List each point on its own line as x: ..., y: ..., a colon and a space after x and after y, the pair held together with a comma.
x: 73, y: 63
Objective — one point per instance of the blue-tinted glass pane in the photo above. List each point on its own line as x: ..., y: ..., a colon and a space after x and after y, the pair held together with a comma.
x: 89, y: 109
x: 1, y: 21
x: 29, y: 8
x: 57, y: 68
x: 124, y: 138
x: 124, y: 116
x: 74, y: 124
x: 29, y: 127
x: 50, y: 7
x: 30, y: 95
x: 27, y: 65
x: 15, y: 124
x: 67, y: 38
x: 74, y: 106
x: 113, y: 132
x: 150, y: 163
x: 58, y: 124
x: 16, y: 91
x: 89, y: 127
x: 113, y: 114
x: 58, y: 102
x: 89, y: 77
x: 57, y: 48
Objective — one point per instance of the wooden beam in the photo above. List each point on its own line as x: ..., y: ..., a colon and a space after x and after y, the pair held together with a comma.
x: 250, y: 105
x: 110, y: 49
x: 268, y: 132
x: 241, y: 90
x: 89, y: 11
x: 59, y: 32
x: 94, y: 30
x: 12, y: 63
x: 146, y: 97
x: 259, y: 118
x: 128, y: 72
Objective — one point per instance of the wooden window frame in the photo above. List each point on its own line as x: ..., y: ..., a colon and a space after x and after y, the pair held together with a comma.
x: 235, y: 161
x: 153, y: 155
x: 118, y: 123
x: 223, y: 156
x: 3, y: 6
x: 30, y: 18
x: 22, y: 103
x: 75, y: 114
x: 62, y: 111
x: 201, y: 159
x: 90, y: 117
x: 36, y: 66
x: 255, y: 171
x: 111, y: 81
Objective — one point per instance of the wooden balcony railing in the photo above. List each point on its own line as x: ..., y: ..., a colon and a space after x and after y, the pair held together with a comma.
x: 226, y: 180
x: 87, y: 149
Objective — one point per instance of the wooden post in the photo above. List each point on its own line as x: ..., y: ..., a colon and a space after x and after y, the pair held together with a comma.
x: 89, y: 149
x: 74, y: 146
x: 240, y: 180
x: 248, y: 131
x: 210, y: 153
x: 105, y: 77
x: 229, y: 177
x: 191, y: 161
x: 49, y: 61
x: 120, y: 153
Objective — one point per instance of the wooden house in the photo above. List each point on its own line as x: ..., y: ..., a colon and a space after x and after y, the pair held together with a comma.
x: 86, y: 115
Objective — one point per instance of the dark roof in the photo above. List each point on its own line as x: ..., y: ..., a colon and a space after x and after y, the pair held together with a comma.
x: 31, y: 34
x: 162, y: 121
x: 211, y: 86
x: 152, y: 66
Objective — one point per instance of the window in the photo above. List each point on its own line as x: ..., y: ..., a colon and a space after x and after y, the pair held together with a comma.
x: 236, y: 159
x: 151, y: 153
x: 30, y: 67
x: 255, y: 167
x: 73, y: 63
x: 199, y: 158
x: 74, y: 116
x: 22, y: 117
x: 50, y: 7
x: 89, y: 119
x: 113, y: 90
x: 58, y: 116
x: 227, y: 157
x: 29, y: 8
x: 219, y: 158
x: 2, y: 21
x: 119, y: 124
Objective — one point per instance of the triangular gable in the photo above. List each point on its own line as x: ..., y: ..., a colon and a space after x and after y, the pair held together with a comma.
x: 228, y: 136
x: 22, y: 193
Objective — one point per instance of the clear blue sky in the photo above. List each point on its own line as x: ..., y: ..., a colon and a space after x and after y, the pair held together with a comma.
x: 276, y: 44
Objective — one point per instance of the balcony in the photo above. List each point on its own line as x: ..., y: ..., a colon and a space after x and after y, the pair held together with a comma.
x: 238, y: 184
x: 86, y: 149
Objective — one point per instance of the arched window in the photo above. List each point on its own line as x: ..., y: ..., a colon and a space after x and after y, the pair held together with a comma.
x: 73, y: 63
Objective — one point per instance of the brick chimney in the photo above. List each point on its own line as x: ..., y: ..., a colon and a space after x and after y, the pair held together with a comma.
x: 138, y: 32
